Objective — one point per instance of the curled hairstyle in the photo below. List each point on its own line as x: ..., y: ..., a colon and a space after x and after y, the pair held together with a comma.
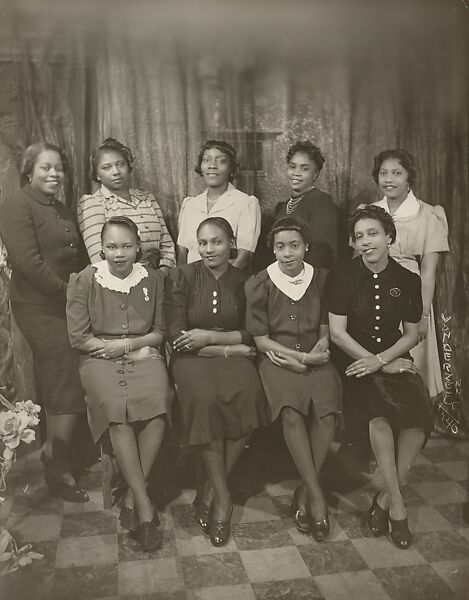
x: 227, y: 150
x: 288, y: 224
x: 372, y: 212
x: 109, y: 145
x: 405, y: 159
x: 224, y: 225
x: 30, y: 157
x: 122, y: 221
x: 310, y: 150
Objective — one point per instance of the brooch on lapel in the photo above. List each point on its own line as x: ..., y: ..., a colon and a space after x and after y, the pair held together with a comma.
x: 395, y: 292
x: 145, y: 293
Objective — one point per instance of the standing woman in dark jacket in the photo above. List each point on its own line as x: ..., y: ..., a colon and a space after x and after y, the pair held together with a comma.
x: 44, y: 248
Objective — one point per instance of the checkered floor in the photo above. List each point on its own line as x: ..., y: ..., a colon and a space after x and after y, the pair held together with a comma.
x: 88, y: 555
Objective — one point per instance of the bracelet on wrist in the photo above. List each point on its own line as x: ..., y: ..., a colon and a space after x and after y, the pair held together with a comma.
x: 225, y: 352
x: 425, y: 316
x: 382, y: 360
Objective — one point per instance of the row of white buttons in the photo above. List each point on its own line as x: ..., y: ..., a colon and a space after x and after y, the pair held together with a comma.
x: 377, y: 306
x: 215, y: 302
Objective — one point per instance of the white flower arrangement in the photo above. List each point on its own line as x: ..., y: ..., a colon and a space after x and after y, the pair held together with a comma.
x: 15, y: 427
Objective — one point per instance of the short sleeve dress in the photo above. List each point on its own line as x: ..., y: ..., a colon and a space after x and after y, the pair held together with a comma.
x: 294, y: 324
x: 376, y: 304
x: 124, y: 389
x: 421, y: 229
x: 219, y: 397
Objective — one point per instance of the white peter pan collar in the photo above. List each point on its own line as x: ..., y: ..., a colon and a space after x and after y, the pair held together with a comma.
x: 111, y: 282
x: 409, y: 208
x: 293, y: 287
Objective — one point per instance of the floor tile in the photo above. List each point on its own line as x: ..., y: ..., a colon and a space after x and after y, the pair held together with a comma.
x: 273, y: 564
x: 426, y: 518
x: 464, y: 532
x: 443, y: 453
x: 282, y: 505
x: 456, y: 575
x: 85, y: 582
x: 418, y: 582
x: 428, y: 472
x: 88, y: 523
x: 454, y: 514
x: 382, y: 552
x: 183, y: 515
x: 86, y: 551
x: 36, y: 585
x: 290, y: 589
x: 442, y: 545
x: 94, y: 504
x: 149, y: 576
x: 38, y: 504
x: 213, y: 570
x: 159, y: 595
x: 440, y: 492
x: 354, y: 524
x: 266, y: 534
x: 332, y: 557
x: 358, y: 500
x: 336, y: 534
x: 225, y: 592
x: 457, y: 470
x: 34, y: 528
x: 129, y: 547
x: 282, y: 488
x: 192, y: 541
x: 359, y: 585
x: 255, y: 509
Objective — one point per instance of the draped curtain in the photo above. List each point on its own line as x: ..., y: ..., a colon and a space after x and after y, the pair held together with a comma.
x: 163, y: 91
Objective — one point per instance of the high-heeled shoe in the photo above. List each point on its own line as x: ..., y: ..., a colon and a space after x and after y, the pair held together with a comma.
x: 321, y: 528
x: 128, y: 518
x: 149, y: 535
x: 220, y: 530
x: 301, y: 518
x: 58, y: 486
x: 378, y: 518
x: 202, y: 514
x: 400, y: 533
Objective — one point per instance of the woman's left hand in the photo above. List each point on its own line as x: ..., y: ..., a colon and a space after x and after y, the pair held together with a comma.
x: 364, y: 366
x: 423, y: 328
x: 192, y: 340
x: 111, y: 349
x: 286, y: 362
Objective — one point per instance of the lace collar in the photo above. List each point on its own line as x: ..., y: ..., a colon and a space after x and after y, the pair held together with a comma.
x: 293, y: 287
x: 111, y: 282
x: 409, y: 208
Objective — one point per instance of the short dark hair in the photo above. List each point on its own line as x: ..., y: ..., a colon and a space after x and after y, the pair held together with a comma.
x: 224, y: 147
x: 288, y: 224
x: 225, y: 226
x: 405, y: 159
x: 122, y: 221
x: 110, y: 145
x: 371, y: 211
x: 30, y: 157
x: 310, y: 149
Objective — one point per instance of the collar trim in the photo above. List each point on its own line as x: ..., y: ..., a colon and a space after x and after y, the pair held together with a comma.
x: 111, y: 282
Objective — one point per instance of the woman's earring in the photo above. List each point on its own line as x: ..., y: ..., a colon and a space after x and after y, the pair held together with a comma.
x: 101, y: 255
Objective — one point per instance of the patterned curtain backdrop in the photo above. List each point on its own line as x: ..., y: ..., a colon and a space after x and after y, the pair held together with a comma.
x: 354, y: 80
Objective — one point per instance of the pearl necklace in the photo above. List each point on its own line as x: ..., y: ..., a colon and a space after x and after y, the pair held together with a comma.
x: 293, y: 202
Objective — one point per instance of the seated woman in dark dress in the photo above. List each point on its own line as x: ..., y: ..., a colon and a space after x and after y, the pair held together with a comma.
x: 219, y: 390
x: 115, y: 319
x: 367, y: 303
x: 289, y: 323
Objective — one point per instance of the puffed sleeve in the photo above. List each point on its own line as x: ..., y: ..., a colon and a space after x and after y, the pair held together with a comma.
x: 337, y: 293
x: 257, y: 297
x: 249, y: 225
x: 436, y: 234
x: 159, y: 320
x: 78, y: 314
x: 186, y: 233
x: 176, y: 302
x: 18, y: 230
x: 91, y: 218
x: 167, y: 252
x: 412, y: 306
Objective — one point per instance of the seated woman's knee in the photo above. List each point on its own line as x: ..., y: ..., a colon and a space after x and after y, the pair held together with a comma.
x: 379, y: 425
x: 291, y: 417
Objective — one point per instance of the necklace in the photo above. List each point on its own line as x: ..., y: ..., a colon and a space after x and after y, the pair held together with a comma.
x: 299, y: 280
x: 293, y: 202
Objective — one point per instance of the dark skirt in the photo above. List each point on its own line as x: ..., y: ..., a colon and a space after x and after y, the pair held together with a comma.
x: 55, y: 362
x: 124, y: 391
x: 319, y: 388
x: 218, y: 398
x: 400, y: 398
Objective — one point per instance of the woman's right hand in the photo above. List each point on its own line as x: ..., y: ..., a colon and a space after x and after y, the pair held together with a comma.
x: 241, y: 351
x: 286, y: 362
x: 400, y: 365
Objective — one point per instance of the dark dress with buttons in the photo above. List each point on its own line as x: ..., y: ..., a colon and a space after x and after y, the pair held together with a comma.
x: 294, y: 324
x: 218, y: 397
x: 44, y: 248
x: 119, y: 390
x: 376, y: 304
